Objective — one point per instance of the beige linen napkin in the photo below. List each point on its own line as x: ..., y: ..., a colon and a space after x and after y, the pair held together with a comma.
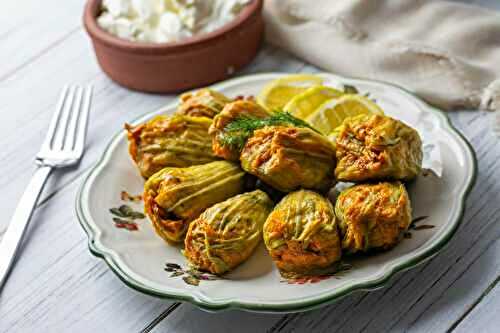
x: 447, y: 53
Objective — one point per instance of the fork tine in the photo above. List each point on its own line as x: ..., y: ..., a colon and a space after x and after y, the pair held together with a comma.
x: 62, y: 125
x: 83, y: 121
x: 55, y: 118
x: 76, y: 110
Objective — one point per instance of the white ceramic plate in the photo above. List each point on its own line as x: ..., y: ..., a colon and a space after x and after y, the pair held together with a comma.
x: 139, y: 258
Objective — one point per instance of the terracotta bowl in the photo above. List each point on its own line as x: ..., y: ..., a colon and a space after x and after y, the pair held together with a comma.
x: 176, y: 66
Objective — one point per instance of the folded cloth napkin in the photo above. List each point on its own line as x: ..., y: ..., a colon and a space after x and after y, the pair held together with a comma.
x: 448, y: 53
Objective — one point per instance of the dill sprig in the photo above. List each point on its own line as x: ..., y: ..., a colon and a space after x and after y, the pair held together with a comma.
x: 238, y: 131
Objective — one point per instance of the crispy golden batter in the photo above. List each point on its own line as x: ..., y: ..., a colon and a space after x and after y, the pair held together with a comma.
x: 202, y: 103
x: 177, y: 141
x: 227, y: 233
x: 373, y: 216
x: 173, y: 197
x: 288, y: 158
x: 301, y: 234
x: 376, y: 147
x: 238, y: 109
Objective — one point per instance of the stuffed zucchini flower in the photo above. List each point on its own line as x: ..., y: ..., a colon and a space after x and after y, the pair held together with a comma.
x: 226, y: 234
x: 301, y: 234
x: 373, y: 216
x: 289, y: 158
x: 202, y: 103
x: 173, y: 197
x: 226, y: 142
x: 170, y: 141
x: 377, y: 147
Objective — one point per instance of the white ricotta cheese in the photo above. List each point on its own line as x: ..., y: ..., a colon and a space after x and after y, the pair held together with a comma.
x: 161, y: 21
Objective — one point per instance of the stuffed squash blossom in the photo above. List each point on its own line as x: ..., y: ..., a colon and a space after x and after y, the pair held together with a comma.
x: 170, y: 141
x: 226, y: 234
x: 173, y: 197
x: 301, y: 234
x: 202, y: 103
x: 289, y: 158
x: 373, y: 216
x: 224, y: 145
x: 377, y: 147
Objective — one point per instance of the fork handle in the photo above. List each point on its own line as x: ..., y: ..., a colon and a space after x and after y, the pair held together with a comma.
x: 19, y: 222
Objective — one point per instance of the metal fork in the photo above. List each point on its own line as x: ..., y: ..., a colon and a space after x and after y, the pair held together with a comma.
x: 63, y: 146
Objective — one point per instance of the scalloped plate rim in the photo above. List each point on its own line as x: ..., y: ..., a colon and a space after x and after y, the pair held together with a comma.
x: 329, y: 297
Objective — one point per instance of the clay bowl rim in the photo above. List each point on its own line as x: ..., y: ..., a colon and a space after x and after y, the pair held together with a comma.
x: 251, y: 11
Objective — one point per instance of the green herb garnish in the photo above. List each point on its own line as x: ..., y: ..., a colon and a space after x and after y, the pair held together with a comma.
x: 348, y: 89
x: 237, y: 132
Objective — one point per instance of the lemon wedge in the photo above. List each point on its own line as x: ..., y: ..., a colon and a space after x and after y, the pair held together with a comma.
x: 278, y: 92
x: 332, y: 113
x: 304, y: 104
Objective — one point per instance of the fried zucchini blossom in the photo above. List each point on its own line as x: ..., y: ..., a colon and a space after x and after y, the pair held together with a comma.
x: 202, y: 103
x: 170, y: 141
x: 288, y: 158
x: 173, y: 197
x: 373, y: 216
x: 301, y: 234
x: 226, y: 234
x: 377, y: 147
x: 228, y: 145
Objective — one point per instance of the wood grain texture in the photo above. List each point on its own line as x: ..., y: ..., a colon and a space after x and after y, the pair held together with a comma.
x: 28, y: 30
x: 190, y: 319
x: 484, y: 271
x: 27, y: 103
x: 484, y: 317
x: 57, y: 285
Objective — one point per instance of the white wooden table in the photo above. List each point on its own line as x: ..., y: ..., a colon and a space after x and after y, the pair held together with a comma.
x: 58, y: 286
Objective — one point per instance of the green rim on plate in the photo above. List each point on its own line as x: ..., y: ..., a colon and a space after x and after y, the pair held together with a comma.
x: 333, y: 295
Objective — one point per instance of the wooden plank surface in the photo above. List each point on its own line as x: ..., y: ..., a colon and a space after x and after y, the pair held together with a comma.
x: 58, y: 286
x: 484, y: 317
